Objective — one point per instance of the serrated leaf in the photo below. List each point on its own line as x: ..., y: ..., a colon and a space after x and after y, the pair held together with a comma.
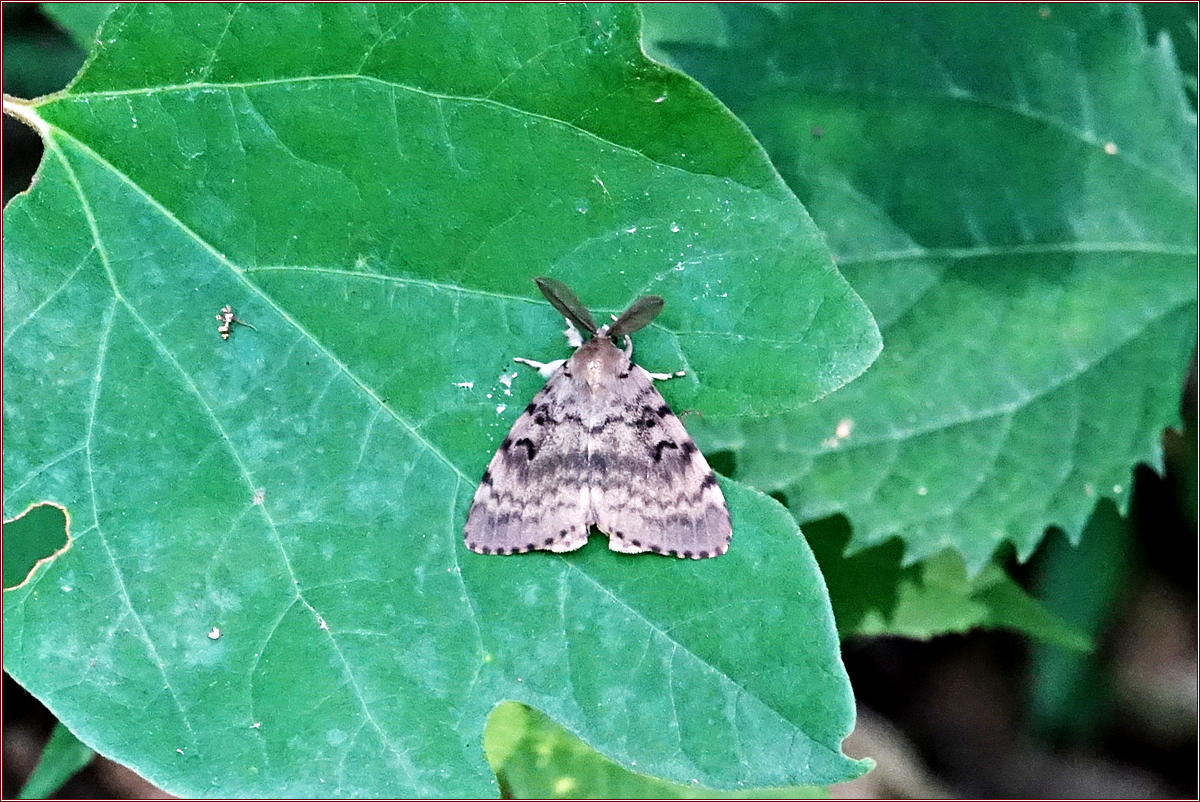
x: 1012, y: 189
x: 266, y: 591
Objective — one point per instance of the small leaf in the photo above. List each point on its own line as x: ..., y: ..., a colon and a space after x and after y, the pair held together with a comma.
x: 1081, y: 584
x: 63, y: 756
x: 873, y: 593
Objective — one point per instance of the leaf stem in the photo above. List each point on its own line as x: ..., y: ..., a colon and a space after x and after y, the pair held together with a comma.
x: 23, y: 110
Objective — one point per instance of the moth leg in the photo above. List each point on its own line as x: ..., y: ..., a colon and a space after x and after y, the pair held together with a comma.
x: 545, y: 368
x: 662, y: 376
x: 574, y: 338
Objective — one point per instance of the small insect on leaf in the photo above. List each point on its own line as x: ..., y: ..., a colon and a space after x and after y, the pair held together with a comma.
x: 227, y: 319
x: 598, y: 446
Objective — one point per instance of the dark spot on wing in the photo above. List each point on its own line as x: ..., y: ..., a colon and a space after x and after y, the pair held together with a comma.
x: 663, y: 444
x: 530, y: 448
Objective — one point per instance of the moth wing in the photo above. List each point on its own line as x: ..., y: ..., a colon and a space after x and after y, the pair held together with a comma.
x: 533, y: 494
x: 651, y: 488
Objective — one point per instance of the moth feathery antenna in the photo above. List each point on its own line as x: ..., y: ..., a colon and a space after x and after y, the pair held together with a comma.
x: 638, y: 316
x: 569, y: 306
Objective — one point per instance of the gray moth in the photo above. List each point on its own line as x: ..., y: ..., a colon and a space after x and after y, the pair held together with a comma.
x: 598, y: 446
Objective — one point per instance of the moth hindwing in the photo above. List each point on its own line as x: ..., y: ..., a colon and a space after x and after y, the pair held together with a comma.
x: 598, y: 446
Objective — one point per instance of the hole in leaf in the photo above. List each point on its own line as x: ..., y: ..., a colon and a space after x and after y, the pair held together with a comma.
x: 34, y: 536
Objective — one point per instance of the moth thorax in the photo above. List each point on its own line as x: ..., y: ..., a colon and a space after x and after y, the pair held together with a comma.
x: 600, y: 363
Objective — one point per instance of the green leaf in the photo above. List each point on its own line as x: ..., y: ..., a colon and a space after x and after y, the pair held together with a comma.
x: 266, y: 591
x: 874, y: 594
x: 536, y: 759
x: 63, y: 756
x: 1012, y: 189
x: 82, y: 20
x: 1082, y: 585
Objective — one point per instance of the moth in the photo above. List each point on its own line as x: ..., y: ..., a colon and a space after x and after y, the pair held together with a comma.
x: 598, y: 446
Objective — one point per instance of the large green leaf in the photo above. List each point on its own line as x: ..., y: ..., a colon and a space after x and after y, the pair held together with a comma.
x: 266, y: 591
x: 1012, y: 189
